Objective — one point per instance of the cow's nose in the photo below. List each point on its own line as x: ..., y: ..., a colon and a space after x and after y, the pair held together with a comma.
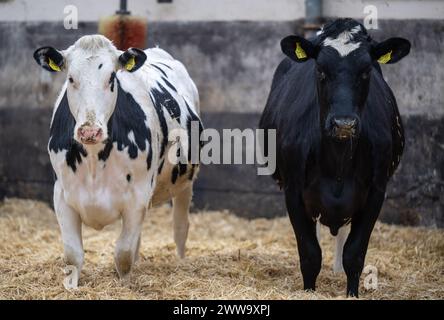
x: 345, y: 122
x: 89, y: 134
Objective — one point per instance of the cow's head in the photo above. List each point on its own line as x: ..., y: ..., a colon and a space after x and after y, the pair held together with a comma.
x: 345, y: 58
x: 91, y: 65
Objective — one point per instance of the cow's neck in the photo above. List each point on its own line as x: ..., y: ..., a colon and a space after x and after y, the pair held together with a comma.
x: 92, y: 159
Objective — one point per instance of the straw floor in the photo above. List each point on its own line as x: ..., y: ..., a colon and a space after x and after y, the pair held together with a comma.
x: 227, y: 258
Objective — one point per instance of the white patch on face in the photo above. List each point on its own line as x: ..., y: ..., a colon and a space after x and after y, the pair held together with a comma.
x: 343, y: 43
x: 91, y: 100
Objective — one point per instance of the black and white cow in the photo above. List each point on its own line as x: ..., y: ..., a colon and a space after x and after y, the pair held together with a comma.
x: 339, y: 139
x: 109, y: 142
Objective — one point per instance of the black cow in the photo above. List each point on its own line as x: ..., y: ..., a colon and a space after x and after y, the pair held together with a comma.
x: 339, y: 138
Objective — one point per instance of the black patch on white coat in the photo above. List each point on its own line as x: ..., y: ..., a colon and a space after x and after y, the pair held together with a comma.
x: 127, y: 117
x: 193, y: 117
x: 178, y: 171
x: 159, y: 170
x: 174, y: 174
x: 128, y: 177
x: 192, y: 171
x: 100, y: 66
x: 159, y: 68
x: 182, y: 168
x: 104, y: 154
x: 169, y: 84
x: 149, y: 158
x: 164, y: 98
x: 62, y: 135
x: 111, y: 81
x: 165, y: 65
x: 162, y: 123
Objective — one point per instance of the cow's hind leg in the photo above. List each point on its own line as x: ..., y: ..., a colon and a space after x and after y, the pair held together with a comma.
x: 128, y: 243
x: 181, y: 207
x: 71, y: 229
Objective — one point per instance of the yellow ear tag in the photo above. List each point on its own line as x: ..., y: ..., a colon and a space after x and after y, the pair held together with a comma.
x: 53, y: 66
x: 385, y: 58
x: 130, y: 64
x: 300, y: 53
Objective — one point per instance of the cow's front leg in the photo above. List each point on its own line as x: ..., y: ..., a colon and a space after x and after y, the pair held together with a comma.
x: 305, y: 230
x: 71, y: 229
x: 128, y: 243
x: 355, y: 247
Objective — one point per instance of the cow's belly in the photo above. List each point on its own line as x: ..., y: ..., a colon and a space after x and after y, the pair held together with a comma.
x: 118, y: 186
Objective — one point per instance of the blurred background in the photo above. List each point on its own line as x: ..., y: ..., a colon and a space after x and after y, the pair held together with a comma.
x: 231, y: 49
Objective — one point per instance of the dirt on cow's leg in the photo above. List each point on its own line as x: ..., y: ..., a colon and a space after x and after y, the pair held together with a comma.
x: 128, y: 243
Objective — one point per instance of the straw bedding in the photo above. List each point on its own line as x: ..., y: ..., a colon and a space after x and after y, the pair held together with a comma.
x: 227, y: 258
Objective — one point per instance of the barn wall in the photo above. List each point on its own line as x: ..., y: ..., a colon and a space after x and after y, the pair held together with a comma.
x: 218, y: 10
x: 232, y: 64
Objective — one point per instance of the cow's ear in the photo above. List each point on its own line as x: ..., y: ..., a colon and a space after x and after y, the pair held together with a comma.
x: 298, y: 48
x: 391, y: 50
x: 49, y: 58
x: 132, y: 59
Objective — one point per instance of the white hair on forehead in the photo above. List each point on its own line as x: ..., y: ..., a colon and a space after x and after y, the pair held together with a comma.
x: 93, y: 43
x: 343, y: 43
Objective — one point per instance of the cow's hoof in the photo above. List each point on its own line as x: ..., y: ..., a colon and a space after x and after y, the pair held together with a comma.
x: 72, y: 276
x: 124, y: 262
x: 181, y: 253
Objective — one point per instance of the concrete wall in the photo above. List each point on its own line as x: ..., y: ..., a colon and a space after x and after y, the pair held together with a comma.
x: 392, y: 9
x: 178, y: 10
x: 232, y: 63
x: 217, y: 10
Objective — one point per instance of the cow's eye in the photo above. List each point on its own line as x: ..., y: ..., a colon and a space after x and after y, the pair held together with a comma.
x: 71, y: 80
